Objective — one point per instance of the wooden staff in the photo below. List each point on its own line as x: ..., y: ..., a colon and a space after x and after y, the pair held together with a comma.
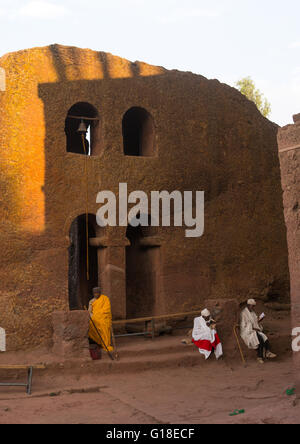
x: 103, y: 343
x: 239, y: 345
x: 116, y: 354
x: 86, y: 208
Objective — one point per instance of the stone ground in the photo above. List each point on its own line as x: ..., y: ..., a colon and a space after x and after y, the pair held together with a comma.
x: 160, y: 382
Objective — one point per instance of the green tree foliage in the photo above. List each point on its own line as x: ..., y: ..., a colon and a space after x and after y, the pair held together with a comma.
x: 247, y: 87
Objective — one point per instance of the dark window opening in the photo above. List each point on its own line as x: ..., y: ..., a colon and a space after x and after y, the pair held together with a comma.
x: 138, y: 133
x: 82, y: 119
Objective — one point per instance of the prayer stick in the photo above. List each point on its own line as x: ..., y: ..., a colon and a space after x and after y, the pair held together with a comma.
x: 239, y: 345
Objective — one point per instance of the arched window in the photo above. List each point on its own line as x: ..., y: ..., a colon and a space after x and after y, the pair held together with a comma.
x: 138, y: 133
x: 82, y: 119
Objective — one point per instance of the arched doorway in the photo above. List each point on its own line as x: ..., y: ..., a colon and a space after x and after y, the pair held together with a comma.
x: 80, y: 287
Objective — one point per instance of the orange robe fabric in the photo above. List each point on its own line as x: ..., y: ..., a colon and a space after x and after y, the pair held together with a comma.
x: 102, y: 318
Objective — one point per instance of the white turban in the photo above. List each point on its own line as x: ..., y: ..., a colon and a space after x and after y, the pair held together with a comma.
x: 251, y: 302
x: 205, y: 313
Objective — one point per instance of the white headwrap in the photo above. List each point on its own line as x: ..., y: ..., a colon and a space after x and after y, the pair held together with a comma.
x: 251, y: 302
x: 205, y: 313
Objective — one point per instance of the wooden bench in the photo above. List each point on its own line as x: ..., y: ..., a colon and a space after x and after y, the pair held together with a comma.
x: 152, y: 319
x: 29, y: 369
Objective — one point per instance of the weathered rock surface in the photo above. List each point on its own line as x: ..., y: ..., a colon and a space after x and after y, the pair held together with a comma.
x: 70, y: 334
x: 207, y: 137
x: 289, y: 153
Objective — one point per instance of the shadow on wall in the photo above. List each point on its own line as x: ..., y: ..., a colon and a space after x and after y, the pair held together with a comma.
x: 114, y: 113
x: 75, y: 54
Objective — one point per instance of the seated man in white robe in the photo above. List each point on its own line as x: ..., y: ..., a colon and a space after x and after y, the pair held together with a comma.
x: 205, y: 336
x: 252, y: 332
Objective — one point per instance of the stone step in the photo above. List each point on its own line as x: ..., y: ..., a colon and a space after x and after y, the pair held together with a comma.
x: 147, y: 347
x: 130, y: 364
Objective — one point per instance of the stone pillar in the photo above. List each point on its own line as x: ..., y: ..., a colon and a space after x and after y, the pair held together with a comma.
x: 226, y: 313
x: 112, y: 272
x: 289, y: 154
x: 154, y: 245
x: 70, y: 334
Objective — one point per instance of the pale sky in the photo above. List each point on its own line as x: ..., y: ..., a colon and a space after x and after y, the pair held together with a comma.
x: 222, y: 39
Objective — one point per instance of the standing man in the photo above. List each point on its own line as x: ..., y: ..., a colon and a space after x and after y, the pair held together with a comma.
x: 100, y: 312
x: 205, y: 336
x: 252, y: 333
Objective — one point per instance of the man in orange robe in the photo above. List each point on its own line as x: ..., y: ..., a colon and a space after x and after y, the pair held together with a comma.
x: 101, y: 318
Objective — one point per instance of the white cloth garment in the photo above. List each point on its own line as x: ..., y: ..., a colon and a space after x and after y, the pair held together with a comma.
x: 248, y: 322
x: 2, y: 340
x: 201, y: 332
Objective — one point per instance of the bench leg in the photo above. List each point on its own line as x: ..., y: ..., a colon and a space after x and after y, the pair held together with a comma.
x: 29, y: 381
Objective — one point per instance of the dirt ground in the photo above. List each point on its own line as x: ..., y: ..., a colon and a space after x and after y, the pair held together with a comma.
x: 202, y: 394
x: 156, y: 382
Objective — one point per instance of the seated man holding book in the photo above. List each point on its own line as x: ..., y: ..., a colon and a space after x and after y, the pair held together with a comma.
x: 252, y: 332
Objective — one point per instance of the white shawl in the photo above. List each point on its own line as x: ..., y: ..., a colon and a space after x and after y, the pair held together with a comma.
x: 248, y: 322
x: 201, y: 332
